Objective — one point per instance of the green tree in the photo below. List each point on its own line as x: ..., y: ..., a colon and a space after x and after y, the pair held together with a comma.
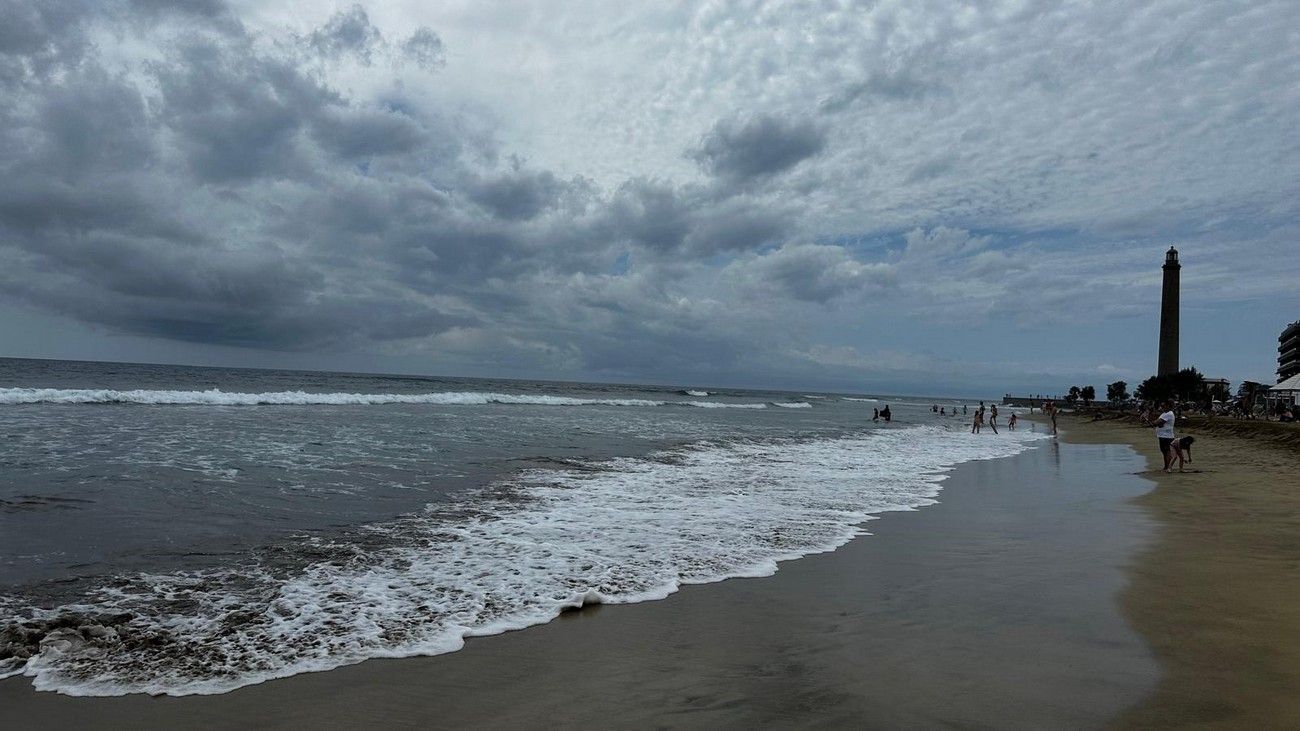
x: 1185, y: 385
x: 1188, y: 384
x: 1248, y: 394
x: 1073, y: 395
x: 1088, y: 393
x: 1117, y: 391
x: 1155, y: 388
x: 1219, y: 392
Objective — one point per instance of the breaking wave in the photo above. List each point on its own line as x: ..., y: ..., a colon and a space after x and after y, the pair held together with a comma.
x: 214, y: 397
x: 515, y: 554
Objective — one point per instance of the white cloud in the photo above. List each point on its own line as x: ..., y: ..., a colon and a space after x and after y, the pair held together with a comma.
x: 697, y: 178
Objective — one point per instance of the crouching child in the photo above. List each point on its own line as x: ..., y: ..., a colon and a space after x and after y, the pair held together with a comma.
x: 1183, y: 450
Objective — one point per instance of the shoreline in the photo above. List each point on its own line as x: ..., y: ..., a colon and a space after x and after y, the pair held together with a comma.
x: 1217, y: 596
x: 996, y: 606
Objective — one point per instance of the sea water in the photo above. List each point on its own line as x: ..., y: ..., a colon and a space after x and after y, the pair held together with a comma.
x: 177, y: 530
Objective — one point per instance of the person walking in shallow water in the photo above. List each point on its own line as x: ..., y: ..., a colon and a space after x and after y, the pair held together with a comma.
x: 977, y: 422
x: 884, y: 414
x: 993, y: 417
x: 1011, y: 423
x: 875, y: 414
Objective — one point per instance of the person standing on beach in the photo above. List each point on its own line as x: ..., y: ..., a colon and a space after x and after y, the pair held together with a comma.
x: 1165, y: 433
x: 977, y: 422
x: 1050, y: 408
x: 1011, y: 423
x: 993, y: 417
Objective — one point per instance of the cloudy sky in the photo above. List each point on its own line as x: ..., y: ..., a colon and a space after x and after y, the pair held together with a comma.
x: 922, y: 196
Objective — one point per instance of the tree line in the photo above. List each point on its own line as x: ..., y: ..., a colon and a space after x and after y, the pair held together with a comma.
x: 1187, y: 384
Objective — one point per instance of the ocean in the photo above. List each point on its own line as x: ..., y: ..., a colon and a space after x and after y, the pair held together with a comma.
x: 182, y: 530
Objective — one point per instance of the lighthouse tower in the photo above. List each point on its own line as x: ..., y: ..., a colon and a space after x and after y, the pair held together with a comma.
x: 1169, y: 315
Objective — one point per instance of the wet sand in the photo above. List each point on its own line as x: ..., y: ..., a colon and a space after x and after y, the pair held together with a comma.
x: 997, y: 607
x: 1218, y: 594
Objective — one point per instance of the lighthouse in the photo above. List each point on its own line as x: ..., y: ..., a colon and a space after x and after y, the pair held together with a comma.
x: 1169, y: 315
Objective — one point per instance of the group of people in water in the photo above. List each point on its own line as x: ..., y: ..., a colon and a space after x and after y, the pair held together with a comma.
x: 983, y: 415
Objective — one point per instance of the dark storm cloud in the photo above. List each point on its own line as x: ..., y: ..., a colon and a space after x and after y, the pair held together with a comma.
x: 236, y: 114
x: 34, y: 210
x: 736, y: 225
x: 363, y: 133
x: 224, y: 192
x: 348, y: 32
x: 517, y: 196
x: 424, y: 48
x: 116, y: 136
x: 764, y: 145
x: 811, y: 273
x: 695, y: 221
x: 38, y: 38
x: 206, y: 8
x: 650, y: 213
x: 169, y: 200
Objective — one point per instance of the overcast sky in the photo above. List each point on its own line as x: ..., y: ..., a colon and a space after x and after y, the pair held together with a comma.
x: 932, y: 197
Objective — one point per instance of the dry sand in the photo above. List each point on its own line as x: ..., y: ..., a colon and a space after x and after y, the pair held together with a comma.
x: 1217, y: 596
x: 996, y: 608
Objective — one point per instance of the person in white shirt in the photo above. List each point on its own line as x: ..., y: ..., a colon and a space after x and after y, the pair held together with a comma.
x: 1165, y: 433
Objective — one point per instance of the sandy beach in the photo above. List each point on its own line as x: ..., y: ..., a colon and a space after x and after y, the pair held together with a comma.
x: 1217, y: 595
x: 997, y: 607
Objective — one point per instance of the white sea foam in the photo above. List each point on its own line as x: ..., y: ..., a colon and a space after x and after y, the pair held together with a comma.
x: 696, y: 393
x: 215, y: 397
x: 868, y: 400
x: 515, y: 555
x: 792, y: 404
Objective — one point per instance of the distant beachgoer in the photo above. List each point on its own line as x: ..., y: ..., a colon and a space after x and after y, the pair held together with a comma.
x: 1164, y: 425
x: 963, y: 408
x: 884, y: 413
x: 1011, y: 423
x: 942, y: 411
x: 977, y: 422
x: 1050, y: 408
x: 993, y: 417
x: 934, y: 408
x: 1182, y: 448
x: 875, y: 414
